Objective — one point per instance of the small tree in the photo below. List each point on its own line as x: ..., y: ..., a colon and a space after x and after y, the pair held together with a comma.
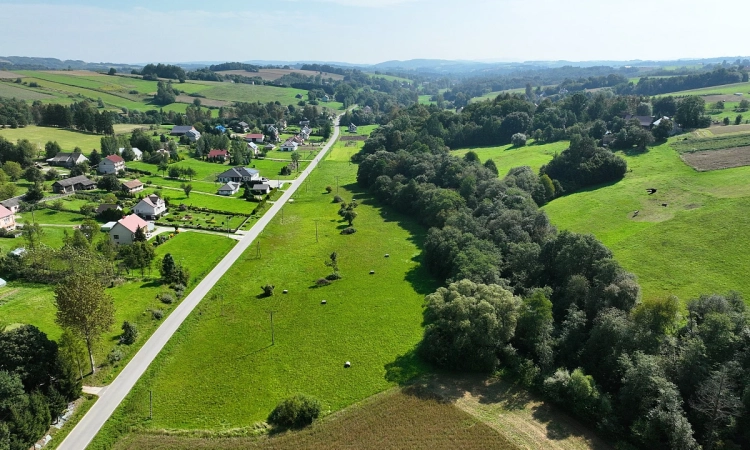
x: 329, y: 189
x: 333, y: 263
x: 186, y: 188
x: 129, y: 333
x: 168, y: 269
x: 295, y: 412
x: 726, y: 121
x: 268, y: 289
x: 738, y: 119
x: 518, y: 140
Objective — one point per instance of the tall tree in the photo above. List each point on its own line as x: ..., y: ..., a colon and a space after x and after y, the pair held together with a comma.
x: 84, y: 308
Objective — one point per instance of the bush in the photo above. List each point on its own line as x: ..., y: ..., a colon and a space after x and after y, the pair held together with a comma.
x: 295, y: 412
x: 337, y: 199
x: 268, y: 289
x: 518, y: 140
x: 322, y: 282
x: 115, y: 355
x: 329, y: 189
x: 129, y: 333
x: 333, y: 277
x: 157, y: 314
x: 166, y: 298
x: 348, y: 230
x: 179, y: 290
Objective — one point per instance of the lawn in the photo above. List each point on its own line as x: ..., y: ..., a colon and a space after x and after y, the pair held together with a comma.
x: 34, y: 304
x: 689, y: 238
x: 508, y: 156
x: 374, y: 321
x: 67, y: 138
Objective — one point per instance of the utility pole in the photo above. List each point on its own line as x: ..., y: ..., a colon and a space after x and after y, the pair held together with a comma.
x: 257, y: 253
x: 150, y: 404
x: 337, y: 183
x: 270, y: 311
x: 282, y: 215
x: 316, y: 230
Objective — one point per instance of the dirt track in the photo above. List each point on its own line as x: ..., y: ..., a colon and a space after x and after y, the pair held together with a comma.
x: 718, y: 159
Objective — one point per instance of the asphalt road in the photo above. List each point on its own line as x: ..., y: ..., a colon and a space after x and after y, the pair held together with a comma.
x: 111, y: 395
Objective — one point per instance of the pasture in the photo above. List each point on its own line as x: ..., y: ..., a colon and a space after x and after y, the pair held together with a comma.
x: 725, y: 89
x: 508, y: 156
x: 252, y: 93
x: 248, y: 375
x: 12, y: 90
x: 275, y: 74
x: 343, y: 150
x: 689, y: 238
x: 67, y: 138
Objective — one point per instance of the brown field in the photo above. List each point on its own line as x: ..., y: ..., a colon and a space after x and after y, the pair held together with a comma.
x: 182, y: 98
x: 718, y: 159
x: 726, y: 129
x: 275, y: 74
x: 722, y: 98
x: 353, y: 138
x: 394, y: 420
x: 6, y: 74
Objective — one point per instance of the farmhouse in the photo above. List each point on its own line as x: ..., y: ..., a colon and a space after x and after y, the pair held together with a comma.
x: 67, y: 159
x: 193, y: 135
x: 7, y: 219
x: 254, y: 137
x: 289, y: 146
x: 242, y: 127
x: 123, y: 232
x: 281, y: 124
x: 111, y: 164
x: 261, y: 188
x: 217, y: 155
x: 239, y: 175
x: 645, y: 121
x: 79, y: 183
x: 675, y: 128
x: 253, y: 147
x: 132, y: 186
x: 138, y: 153
x: 304, y: 123
x: 273, y: 133
x: 305, y: 133
x: 150, y: 207
x: 13, y: 204
x: 181, y: 130
x: 230, y: 188
x: 106, y: 207
x: 269, y: 146
x: 352, y: 128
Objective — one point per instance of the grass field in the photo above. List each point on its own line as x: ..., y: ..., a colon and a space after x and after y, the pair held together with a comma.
x: 253, y: 93
x: 248, y: 376
x: 11, y: 90
x: 389, y: 77
x: 507, y: 156
x: 68, y: 139
x: 275, y: 74
x: 394, y: 419
x: 695, y: 244
x: 726, y: 89
x: 344, y: 150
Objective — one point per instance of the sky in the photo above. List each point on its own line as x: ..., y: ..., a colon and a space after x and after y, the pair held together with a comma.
x: 372, y: 31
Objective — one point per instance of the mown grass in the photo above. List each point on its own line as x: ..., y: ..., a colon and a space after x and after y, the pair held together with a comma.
x: 726, y: 89
x: 508, y: 156
x: 394, y: 419
x: 344, y: 150
x: 12, y: 90
x: 252, y: 93
x: 715, y: 143
x: 371, y: 320
x: 695, y: 244
x: 67, y: 138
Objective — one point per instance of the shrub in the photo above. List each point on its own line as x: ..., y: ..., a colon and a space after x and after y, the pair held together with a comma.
x: 179, y: 289
x: 115, y: 355
x: 333, y: 277
x: 329, y: 189
x: 348, y: 230
x: 133, y: 91
x: 295, y: 412
x: 157, y: 314
x: 518, y: 140
x: 337, y: 199
x: 268, y: 289
x: 129, y: 333
x: 322, y: 282
x: 166, y: 298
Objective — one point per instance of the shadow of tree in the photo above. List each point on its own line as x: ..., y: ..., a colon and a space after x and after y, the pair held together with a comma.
x: 405, y: 368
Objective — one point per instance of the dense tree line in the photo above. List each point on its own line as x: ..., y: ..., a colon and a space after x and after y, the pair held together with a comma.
x: 655, y: 86
x: 156, y: 71
x: 233, y: 66
x: 204, y: 74
x: 555, y: 308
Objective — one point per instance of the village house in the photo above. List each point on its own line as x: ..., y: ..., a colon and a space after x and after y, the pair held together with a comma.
x: 123, y: 232
x: 106, y: 207
x: 242, y: 127
x: 289, y: 146
x: 150, y: 207
x: 352, y: 128
x: 230, y: 188
x: 7, y: 219
x: 111, y: 164
x: 239, y: 175
x: 645, y: 121
x: 261, y: 188
x: 273, y: 133
x: 13, y: 204
x: 304, y: 123
x: 68, y: 160
x: 79, y: 183
x: 220, y: 128
x: 193, y: 135
x: 367, y: 110
x: 326, y: 98
x: 281, y: 124
x: 269, y: 147
x: 136, y: 151
x: 253, y: 148
x: 305, y: 133
x: 254, y: 137
x: 217, y: 155
x: 181, y: 130
x: 132, y: 186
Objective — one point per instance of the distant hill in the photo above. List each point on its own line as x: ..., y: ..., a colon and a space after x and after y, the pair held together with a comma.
x: 34, y: 63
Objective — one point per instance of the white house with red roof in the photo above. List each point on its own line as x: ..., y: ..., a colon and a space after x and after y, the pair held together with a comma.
x: 111, y: 164
x: 7, y: 219
x: 123, y: 232
x: 150, y: 207
x: 217, y: 155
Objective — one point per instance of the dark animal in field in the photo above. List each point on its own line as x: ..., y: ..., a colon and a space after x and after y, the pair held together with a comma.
x: 635, y: 213
x: 651, y: 191
x: 663, y: 204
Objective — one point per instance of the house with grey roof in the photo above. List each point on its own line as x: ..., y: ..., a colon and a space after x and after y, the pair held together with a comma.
x: 239, y: 175
x: 68, y: 160
x: 79, y: 183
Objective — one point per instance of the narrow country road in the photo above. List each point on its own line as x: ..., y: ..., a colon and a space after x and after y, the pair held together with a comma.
x: 114, y: 393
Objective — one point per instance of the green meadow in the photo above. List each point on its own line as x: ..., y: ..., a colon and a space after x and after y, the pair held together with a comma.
x: 67, y: 138
x: 374, y: 321
x: 726, y: 89
x: 689, y: 238
x: 508, y: 156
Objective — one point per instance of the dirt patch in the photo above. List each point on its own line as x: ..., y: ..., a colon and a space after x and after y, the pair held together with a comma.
x: 726, y: 129
x: 723, y: 98
x: 204, y: 101
x: 7, y: 294
x: 10, y: 75
x: 353, y: 138
x: 718, y: 159
x: 275, y: 74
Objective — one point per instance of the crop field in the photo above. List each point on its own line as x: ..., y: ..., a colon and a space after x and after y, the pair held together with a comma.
x: 67, y: 138
x: 689, y: 238
x: 726, y: 89
x: 10, y: 90
x: 394, y: 419
x: 508, y: 156
x: 252, y: 93
x: 248, y: 376
x: 718, y: 159
x: 275, y: 74
x: 9, y: 75
x: 731, y: 129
